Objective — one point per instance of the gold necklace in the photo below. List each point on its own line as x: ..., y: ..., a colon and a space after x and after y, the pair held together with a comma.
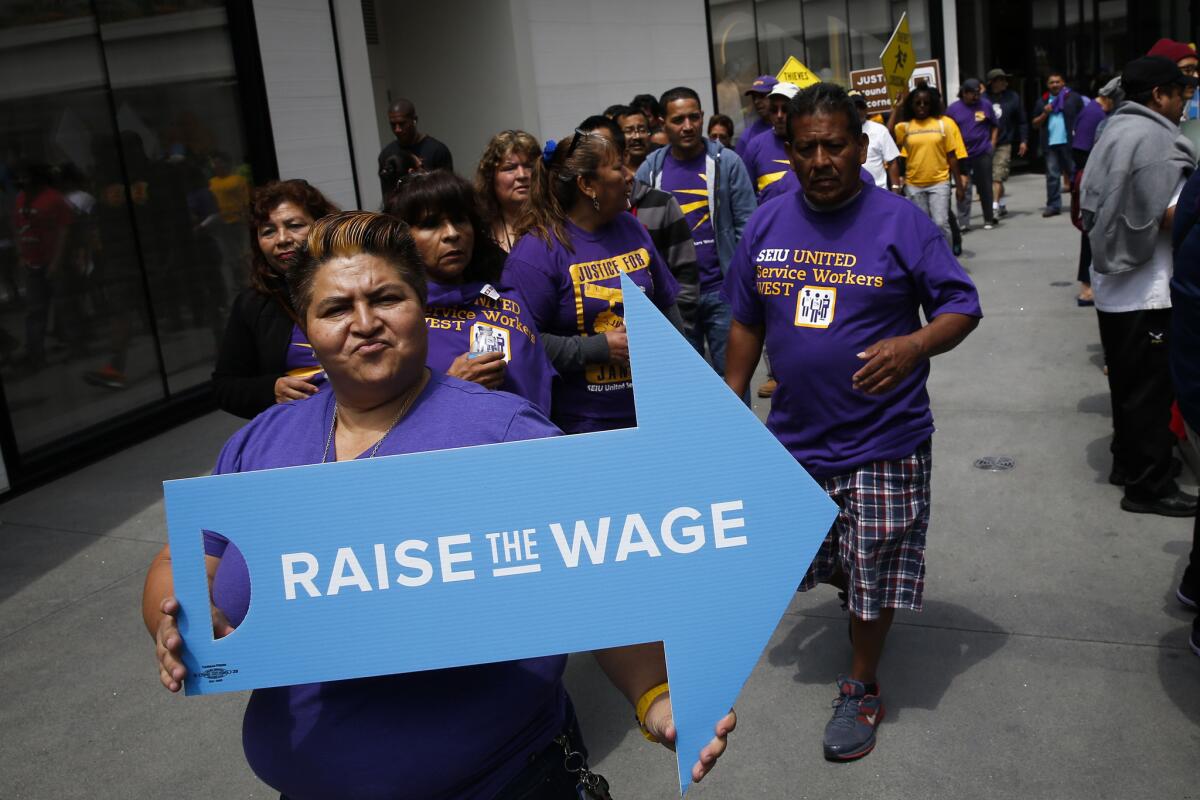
x: 408, y: 401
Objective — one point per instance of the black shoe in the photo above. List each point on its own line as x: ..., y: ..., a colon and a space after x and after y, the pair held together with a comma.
x: 1118, y: 477
x: 1188, y: 592
x: 1051, y: 212
x: 1178, y: 504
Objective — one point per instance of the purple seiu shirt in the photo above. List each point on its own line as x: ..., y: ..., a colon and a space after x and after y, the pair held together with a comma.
x: 1086, y: 123
x: 450, y: 733
x: 756, y: 129
x: 976, y: 124
x: 579, y: 294
x: 687, y: 181
x: 767, y: 162
x: 300, y: 360
x: 827, y: 285
x: 479, y: 318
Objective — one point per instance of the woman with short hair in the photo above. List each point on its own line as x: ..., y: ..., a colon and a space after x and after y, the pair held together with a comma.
x: 486, y: 731
x: 264, y: 357
x: 577, y: 241
x: 502, y: 181
x: 479, y: 327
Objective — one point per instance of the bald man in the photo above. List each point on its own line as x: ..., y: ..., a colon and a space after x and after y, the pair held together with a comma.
x: 402, y: 116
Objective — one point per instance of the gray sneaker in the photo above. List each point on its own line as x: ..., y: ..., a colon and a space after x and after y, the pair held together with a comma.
x: 850, y: 734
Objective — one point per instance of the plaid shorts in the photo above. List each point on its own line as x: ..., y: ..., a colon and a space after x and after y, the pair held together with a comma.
x: 878, y: 539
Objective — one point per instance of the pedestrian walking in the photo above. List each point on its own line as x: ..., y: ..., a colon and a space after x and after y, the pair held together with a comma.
x: 1014, y: 133
x: 1055, y: 118
x: 717, y: 197
x: 832, y: 279
x: 977, y: 123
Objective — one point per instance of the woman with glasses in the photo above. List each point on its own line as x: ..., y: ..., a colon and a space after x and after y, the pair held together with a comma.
x: 503, y: 180
x: 578, y: 239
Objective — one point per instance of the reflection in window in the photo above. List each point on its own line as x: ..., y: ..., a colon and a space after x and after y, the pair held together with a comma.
x: 122, y: 205
x: 735, y: 58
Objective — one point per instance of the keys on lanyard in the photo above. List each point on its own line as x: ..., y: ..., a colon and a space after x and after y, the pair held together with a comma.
x: 591, y: 786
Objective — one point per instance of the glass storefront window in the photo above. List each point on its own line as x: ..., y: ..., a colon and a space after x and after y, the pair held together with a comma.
x: 118, y: 255
x: 734, y: 58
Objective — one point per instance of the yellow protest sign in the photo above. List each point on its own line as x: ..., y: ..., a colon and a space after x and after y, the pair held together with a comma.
x: 795, y: 72
x: 898, y: 59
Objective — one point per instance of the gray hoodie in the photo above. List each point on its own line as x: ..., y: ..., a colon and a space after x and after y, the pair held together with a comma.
x: 1127, y: 184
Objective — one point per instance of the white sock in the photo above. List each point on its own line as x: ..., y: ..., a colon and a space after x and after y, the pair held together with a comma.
x: 1004, y: 202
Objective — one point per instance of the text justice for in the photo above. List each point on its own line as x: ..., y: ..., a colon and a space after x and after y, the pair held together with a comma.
x: 515, y: 550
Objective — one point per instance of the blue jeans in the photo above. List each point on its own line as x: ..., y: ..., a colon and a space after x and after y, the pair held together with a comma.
x: 713, y: 318
x: 1059, y: 162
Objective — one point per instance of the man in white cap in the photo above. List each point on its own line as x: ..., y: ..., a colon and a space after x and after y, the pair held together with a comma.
x: 766, y: 156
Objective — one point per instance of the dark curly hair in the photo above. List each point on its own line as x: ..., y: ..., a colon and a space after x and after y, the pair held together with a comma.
x: 267, y: 198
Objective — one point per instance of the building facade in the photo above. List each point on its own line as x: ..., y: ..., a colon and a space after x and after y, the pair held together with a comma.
x: 141, y: 115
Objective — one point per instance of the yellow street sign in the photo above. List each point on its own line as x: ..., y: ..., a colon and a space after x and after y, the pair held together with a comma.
x: 795, y: 72
x: 898, y: 59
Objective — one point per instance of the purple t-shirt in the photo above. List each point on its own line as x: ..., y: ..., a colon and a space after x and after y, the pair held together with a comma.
x: 976, y: 124
x: 766, y: 161
x: 827, y: 285
x: 301, y: 361
x: 1086, y: 123
x: 451, y: 733
x: 756, y: 128
x: 687, y: 181
x: 579, y: 294
x: 480, y: 318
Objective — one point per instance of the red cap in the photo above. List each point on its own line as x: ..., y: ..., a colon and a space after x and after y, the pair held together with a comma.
x: 1169, y: 48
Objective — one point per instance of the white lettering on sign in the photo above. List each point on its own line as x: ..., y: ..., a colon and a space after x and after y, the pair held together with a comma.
x: 681, y: 531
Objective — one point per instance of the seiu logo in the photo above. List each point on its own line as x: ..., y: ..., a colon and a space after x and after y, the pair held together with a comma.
x: 767, y: 256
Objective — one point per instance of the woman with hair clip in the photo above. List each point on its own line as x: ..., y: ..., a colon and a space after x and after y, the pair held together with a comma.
x: 502, y: 182
x: 479, y: 329
x: 264, y: 357
x: 577, y: 241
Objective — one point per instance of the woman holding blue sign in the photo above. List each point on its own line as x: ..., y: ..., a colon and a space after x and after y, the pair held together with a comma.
x: 578, y: 239
x: 479, y: 329
x: 504, y: 730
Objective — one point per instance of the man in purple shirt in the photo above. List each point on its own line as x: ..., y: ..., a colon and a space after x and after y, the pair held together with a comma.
x: 757, y: 92
x: 832, y: 279
x: 766, y: 158
x: 977, y: 121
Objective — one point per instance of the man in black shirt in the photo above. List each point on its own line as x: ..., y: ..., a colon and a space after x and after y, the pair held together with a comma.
x: 402, y: 116
x: 1014, y: 133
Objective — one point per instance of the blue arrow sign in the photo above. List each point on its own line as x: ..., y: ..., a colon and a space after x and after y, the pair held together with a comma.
x: 698, y: 538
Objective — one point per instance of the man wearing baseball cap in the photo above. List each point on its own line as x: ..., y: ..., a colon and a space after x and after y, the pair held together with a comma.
x: 1132, y: 183
x: 765, y: 157
x: 757, y: 92
x: 1184, y: 56
x: 977, y: 122
x: 1014, y: 132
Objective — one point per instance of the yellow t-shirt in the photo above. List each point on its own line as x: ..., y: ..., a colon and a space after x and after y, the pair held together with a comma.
x: 926, y: 143
x: 232, y: 194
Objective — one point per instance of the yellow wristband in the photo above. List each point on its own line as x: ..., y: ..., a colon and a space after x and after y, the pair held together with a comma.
x: 643, y: 706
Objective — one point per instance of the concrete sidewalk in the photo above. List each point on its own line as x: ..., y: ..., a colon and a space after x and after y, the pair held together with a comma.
x: 1050, y: 662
